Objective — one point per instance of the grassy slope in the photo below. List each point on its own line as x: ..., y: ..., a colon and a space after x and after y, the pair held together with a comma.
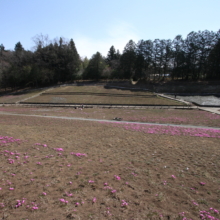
x: 144, y: 162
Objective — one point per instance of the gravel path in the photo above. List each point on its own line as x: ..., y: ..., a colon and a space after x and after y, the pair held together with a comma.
x: 109, y: 121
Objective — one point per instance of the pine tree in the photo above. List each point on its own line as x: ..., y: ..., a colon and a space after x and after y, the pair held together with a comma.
x: 214, y: 62
x: 74, y: 60
x: 85, y: 63
x: 2, y: 48
x: 128, y: 58
x: 111, y: 56
x: 18, y: 47
x: 95, y: 67
x: 140, y: 65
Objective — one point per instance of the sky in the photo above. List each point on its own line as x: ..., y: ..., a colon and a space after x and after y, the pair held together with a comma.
x: 96, y: 25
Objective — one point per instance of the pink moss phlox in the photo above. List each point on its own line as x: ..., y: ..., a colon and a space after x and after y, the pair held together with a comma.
x: 170, y: 130
x: 202, y: 183
x: 58, y: 149
x: 63, y: 201
x: 195, y: 203
x: 5, y: 140
x: 117, y: 177
x: 78, y: 154
x: 124, y: 203
x: 207, y: 215
x: 20, y: 202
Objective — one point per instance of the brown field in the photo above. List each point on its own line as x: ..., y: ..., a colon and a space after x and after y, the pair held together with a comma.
x: 121, y: 173
x: 101, y: 95
x: 170, y: 116
x: 20, y: 95
x: 55, y: 169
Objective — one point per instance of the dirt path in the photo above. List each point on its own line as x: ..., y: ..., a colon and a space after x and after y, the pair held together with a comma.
x: 38, y: 94
x: 110, y: 121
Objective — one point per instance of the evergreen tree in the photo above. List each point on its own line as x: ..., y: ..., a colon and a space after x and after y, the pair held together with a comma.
x: 74, y: 60
x: 95, y: 67
x: 148, y: 57
x: 118, y: 55
x: 178, y: 57
x: 191, y: 50
x: 140, y: 61
x: 85, y: 62
x: 214, y: 62
x: 111, y: 56
x: 2, y: 48
x: 127, y: 59
x: 167, y: 56
x: 113, y: 61
x: 18, y: 47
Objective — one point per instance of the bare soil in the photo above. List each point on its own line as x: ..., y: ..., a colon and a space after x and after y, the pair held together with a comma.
x: 119, y: 173
x: 101, y: 95
x: 18, y: 95
x: 163, y: 116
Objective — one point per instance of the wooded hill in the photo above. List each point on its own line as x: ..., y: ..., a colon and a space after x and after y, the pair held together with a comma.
x: 197, y: 57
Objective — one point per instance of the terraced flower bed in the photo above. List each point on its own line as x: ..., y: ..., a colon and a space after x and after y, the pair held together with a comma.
x: 101, y: 95
x: 67, y: 169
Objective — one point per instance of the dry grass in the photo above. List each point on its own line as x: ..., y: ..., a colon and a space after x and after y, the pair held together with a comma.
x: 20, y: 95
x: 93, y: 99
x: 144, y: 162
x: 101, y: 95
x: 170, y: 116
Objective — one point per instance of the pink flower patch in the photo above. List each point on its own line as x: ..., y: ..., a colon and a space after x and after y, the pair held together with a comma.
x: 202, y: 183
x: 58, y: 149
x: 117, y: 177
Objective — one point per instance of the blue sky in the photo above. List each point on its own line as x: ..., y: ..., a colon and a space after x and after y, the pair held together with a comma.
x: 99, y: 24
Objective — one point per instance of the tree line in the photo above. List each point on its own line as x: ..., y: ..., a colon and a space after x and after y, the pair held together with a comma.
x: 49, y: 63
x: 197, y: 57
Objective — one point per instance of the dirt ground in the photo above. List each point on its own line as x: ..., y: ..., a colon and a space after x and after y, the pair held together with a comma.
x: 90, y: 94
x: 101, y: 95
x: 170, y: 116
x: 16, y: 96
x: 63, y: 169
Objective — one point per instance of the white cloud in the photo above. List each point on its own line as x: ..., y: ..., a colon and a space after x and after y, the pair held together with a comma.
x: 117, y: 35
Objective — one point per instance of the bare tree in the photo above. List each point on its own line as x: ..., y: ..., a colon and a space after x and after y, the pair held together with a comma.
x: 41, y: 41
